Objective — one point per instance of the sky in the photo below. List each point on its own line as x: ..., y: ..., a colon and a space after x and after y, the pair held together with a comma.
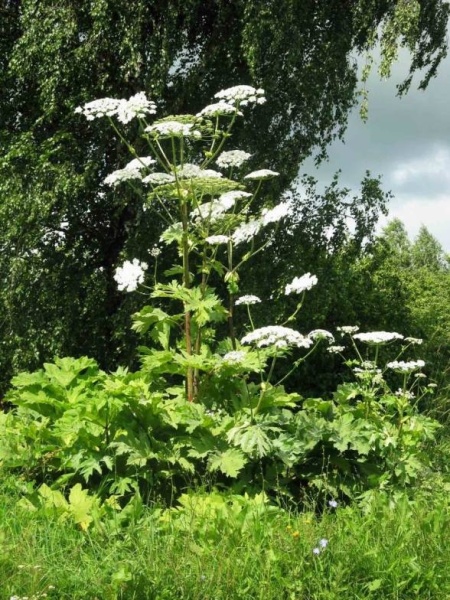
x: 406, y: 141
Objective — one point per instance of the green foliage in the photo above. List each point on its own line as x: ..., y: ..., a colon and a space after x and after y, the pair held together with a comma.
x: 63, y: 239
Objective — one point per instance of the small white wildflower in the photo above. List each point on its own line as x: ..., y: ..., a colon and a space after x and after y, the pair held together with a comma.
x: 413, y: 340
x: 349, y: 329
x: 316, y: 551
x: 335, y: 349
x: 405, y: 394
x: 333, y: 503
x: 420, y: 375
x: 130, y: 274
x: 155, y: 251
x: 301, y: 284
x: 168, y: 129
x: 217, y: 239
x: 247, y: 231
x: 406, y: 367
x: 432, y: 385
x: 321, y: 334
x: 232, y: 158
x: 242, y: 94
x: 248, y: 299
x: 218, y: 109
x: 275, y: 335
x: 158, y: 178
x: 378, y: 337
x: 273, y: 215
x: 323, y: 543
x: 261, y: 174
x: 234, y: 357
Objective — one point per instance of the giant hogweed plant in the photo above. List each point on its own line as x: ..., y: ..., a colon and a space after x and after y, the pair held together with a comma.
x: 203, y: 408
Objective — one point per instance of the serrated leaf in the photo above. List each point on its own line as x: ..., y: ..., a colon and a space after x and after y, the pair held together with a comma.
x: 230, y: 462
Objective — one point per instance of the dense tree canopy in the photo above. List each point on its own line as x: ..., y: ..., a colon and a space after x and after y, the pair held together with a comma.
x: 61, y: 233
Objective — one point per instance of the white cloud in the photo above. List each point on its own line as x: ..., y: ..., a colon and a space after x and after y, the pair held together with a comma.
x: 434, y: 214
x: 434, y: 164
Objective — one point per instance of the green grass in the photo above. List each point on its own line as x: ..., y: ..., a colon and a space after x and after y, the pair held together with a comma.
x: 390, y: 551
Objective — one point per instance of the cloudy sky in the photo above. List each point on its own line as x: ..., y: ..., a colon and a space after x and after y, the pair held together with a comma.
x: 406, y: 141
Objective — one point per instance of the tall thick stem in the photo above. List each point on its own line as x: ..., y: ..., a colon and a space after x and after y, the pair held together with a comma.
x: 187, y: 314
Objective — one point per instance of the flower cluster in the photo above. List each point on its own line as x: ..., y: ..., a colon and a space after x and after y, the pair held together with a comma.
x: 168, y: 129
x: 261, y: 174
x: 218, y: 109
x: 130, y: 274
x: 131, y: 171
x: 158, y: 178
x: 215, y: 209
x: 349, y: 329
x: 242, y: 95
x: 217, y: 239
x: 335, y: 349
x: 191, y: 171
x: 378, y: 337
x: 232, y: 158
x: 321, y: 334
x: 301, y: 284
x: 248, y: 299
x: 278, y: 336
x: 273, y: 215
x: 125, y: 110
x: 406, y: 367
x: 234, y: 357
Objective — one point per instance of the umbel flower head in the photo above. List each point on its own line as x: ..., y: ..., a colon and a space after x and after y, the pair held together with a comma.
x: 402, y: 366
x: 301, y: 284
x: 130, y: 275
x: 378, y: 337
x: 125, y: 110
x: 278, y: 336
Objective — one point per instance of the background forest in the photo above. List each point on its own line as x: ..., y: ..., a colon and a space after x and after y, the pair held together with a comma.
x: 151, y: 466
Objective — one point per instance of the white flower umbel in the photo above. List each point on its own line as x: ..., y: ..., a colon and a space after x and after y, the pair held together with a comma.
x: 124, y: 110
x: 273, y: 215
x: 247, y: 231
x: 248, y: 299
x: 335, y: 349
x: 140, y: 163
x: 130, y: 274
x: 261, y: 174
x: 349, y: 329
x: 219, y: 109
x: 158, y: 178
x: 191, y: 171
x: 301, y: 284
x: 242, y: 94
x: 234, y: 357
x: 378, y: 337
x: 232, y: 158
x: 104, y: 107
x: 228, y: 199
x: 120, y: 175
x: 137, y: 106
x: 217, y: 239
x: 278, y: 336
x: 168, y: 129
x: 321, y: 334
x: 402, y: 366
